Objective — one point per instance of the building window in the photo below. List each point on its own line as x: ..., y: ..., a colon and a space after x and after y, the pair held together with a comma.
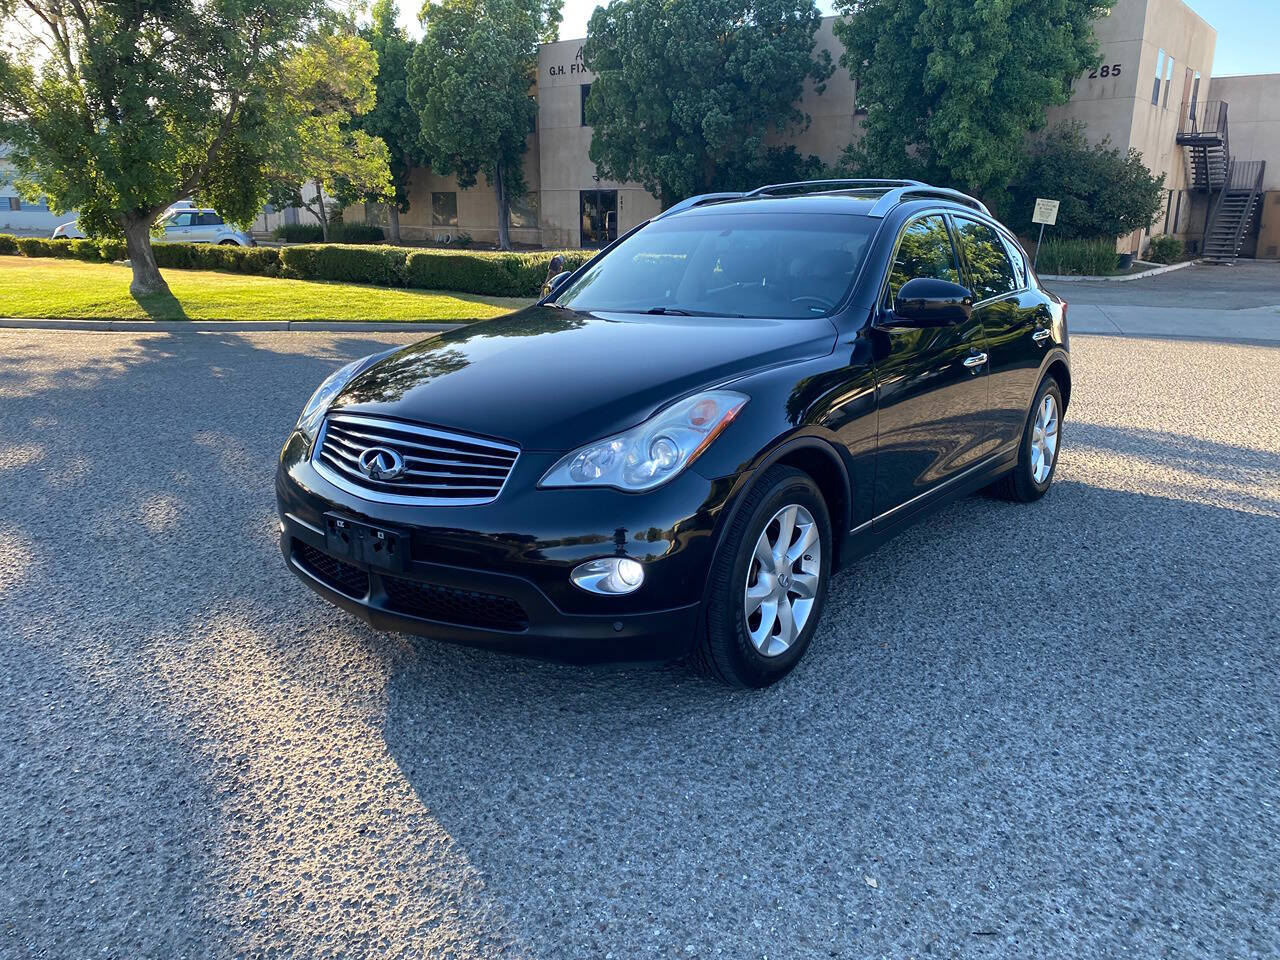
x: 586, y: 92
x: 444, y: 209
x: 1155, y: 91
x: 1168, y: 82
x: 1195, y: 93
x: 524, y: 211
x: 15, y: 203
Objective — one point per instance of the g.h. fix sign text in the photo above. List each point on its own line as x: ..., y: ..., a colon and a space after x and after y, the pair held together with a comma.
x: 574, y: 67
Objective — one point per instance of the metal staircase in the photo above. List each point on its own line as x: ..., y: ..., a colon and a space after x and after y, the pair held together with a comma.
x: 1237, y: 205
x: 1203, y: 134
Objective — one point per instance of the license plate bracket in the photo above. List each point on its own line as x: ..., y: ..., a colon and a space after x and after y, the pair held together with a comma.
x: 382, y: 548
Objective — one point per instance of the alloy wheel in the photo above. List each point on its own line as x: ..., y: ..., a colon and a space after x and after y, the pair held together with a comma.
x: 782, y: 580
x: 1044, y: 439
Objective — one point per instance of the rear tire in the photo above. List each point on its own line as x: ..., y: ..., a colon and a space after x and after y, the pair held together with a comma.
x: 768, y: 583
x: 1041, y: 443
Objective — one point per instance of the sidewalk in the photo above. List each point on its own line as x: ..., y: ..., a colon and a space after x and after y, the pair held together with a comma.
x: 1257, y: 324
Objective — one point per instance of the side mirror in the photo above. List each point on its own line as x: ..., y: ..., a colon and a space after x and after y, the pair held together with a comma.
x: 555, y: 283
x: 927, y: 302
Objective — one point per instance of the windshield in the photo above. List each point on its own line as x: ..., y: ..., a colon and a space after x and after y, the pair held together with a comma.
x: 774, y: 265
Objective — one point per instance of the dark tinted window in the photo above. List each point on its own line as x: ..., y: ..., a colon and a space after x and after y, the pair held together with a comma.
x: 990, y: 272
x: 210, y: 219
x: 586, y: 92
x: 723, y: 264
x: 925, y: 250
x: 1019, y: 263
x: 444, y: 209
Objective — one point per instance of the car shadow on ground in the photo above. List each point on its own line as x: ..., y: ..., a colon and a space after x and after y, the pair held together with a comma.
x: 1021, y: 730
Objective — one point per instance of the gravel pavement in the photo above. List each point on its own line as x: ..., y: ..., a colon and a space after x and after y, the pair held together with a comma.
x: 1022, y: 731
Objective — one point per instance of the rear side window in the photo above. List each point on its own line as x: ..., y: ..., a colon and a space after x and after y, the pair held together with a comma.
x: 924, y: 250
x: 1019, y: 262
x: 210, y: 220
x: 990, y: 271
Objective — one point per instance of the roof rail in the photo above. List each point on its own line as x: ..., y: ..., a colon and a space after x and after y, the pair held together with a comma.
x: 690, y: 202
x: 899, y: 195
x: 828, y: 184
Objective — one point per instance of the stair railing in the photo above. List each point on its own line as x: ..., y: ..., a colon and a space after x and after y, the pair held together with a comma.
x: 1211, y: 219
x: 1250, y: 178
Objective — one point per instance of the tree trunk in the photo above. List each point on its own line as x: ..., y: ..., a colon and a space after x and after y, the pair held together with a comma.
x: 504, y: 208
x: 394, y: 210
x: 146, y: 275
x: 324, y: 214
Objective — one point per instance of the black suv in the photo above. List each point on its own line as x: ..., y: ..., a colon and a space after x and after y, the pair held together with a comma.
x: 670, y: 452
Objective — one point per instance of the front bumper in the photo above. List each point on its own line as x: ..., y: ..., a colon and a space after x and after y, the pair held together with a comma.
x: 496, y: 575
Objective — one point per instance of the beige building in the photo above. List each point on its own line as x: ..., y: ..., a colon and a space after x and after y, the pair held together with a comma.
x: 1154, y: 92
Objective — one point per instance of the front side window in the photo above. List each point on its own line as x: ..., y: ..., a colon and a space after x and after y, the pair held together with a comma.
x: 1019, y: 263
x: 444, y: 209
x: 990, y: 272
x: 766, y: 265
x: 181, y: 220
x: 924, y: 250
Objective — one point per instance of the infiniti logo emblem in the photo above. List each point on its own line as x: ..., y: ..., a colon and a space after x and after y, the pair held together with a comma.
x: 381, y: 463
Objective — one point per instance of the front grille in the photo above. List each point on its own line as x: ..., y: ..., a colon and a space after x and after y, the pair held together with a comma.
x: 450, y: 605
x: 331, y: 571
x: 440, y: 467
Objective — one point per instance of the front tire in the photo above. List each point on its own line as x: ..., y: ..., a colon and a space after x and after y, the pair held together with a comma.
x: 768, y: 583
x: 1038, y: 452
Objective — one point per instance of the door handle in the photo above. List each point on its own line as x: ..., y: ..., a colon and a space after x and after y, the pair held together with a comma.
x: 1041, y: 335
x: 975, y: 360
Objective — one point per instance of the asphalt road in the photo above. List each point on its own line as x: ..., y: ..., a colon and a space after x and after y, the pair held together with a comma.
x: 1240, y: 285
x: 1045, y: 731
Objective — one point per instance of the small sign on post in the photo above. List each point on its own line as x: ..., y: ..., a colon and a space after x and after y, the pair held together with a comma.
x: 1045, y: 214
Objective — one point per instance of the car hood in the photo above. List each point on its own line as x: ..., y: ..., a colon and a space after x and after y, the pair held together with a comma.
x: 548, y: 378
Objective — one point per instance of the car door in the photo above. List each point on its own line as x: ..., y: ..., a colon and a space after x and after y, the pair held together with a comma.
x: 178, y: 227
x: 1011, y: 312
x: 207, y: 227
x: 931, y: 381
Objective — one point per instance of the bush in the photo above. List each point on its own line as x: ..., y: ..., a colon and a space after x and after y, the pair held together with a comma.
x: 8, y: 245
x: 487, y: 274
x: 299, y: 233
x: 381, y: 266
x: 1165, y: 250
x: 355, y: 233
x: 208, y: 256
x: 1104, y: 191
x: 339, y: 232
x: 1090, y: 258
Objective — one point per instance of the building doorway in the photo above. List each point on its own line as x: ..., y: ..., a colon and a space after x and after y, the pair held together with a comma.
x: 598, y: 214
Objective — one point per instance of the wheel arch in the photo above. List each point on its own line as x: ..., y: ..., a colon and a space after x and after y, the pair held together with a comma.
x: 1056, y: 366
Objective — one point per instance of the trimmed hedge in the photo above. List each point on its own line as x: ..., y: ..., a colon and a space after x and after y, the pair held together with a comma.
x: 488, y: 274
x: 338, y: 233
x: 485, y: 273
x: 1165, y: 249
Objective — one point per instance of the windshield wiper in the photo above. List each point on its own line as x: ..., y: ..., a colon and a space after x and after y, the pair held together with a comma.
x: 681, y: 312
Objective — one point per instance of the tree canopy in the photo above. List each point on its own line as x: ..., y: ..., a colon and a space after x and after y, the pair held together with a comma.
x: 1104, y: 191
x: 393, y: 119
x: 471, y: 80
x: 118, y: 109
x: 688, y: 95
x: 329, y: 84
x: 952, y: 87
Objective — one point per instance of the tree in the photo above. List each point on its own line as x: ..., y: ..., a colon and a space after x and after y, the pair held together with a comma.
x: 1104, y: 191
x: 687, y: 93
x: 329, y: 83
x: 393, y: 119
x: 118, y: 109
x: 951, y: 87
x: 470, y: 80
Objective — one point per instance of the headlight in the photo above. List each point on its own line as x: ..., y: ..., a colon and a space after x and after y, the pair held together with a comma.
x: 653, y: 452
x: 309, y: 423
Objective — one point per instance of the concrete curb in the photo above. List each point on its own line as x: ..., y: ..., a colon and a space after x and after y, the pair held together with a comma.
x: 1153, y: 272
x: 224, y: 326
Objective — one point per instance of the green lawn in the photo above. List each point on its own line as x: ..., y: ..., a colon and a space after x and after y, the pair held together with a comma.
x: 69, y: 289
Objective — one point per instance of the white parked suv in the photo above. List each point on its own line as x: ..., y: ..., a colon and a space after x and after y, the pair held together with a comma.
x: 181, y: 225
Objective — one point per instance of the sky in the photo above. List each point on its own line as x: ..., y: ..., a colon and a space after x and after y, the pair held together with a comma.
x: 1247, y: 29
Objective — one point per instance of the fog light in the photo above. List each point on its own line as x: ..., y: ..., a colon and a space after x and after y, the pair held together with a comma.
x: 610, y: 575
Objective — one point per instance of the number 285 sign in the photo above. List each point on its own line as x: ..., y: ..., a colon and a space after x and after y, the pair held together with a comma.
x: 1106, y: 70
